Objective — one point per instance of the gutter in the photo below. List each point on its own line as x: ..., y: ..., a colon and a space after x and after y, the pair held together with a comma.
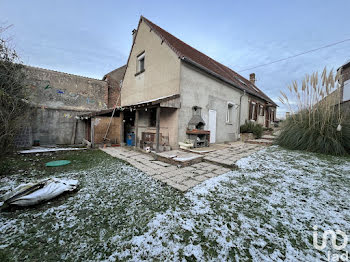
x: 190, y: 61
x: 240, y: 111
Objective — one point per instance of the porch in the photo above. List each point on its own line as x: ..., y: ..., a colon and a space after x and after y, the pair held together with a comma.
x: 151, y: 124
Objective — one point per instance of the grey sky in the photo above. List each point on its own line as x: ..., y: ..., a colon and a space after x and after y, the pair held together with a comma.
x: 91, y: 38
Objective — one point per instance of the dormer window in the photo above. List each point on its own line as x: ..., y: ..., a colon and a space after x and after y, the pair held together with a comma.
x: 141, y: 63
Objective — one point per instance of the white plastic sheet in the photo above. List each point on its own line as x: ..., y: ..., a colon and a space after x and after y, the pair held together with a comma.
x: 34, y: 193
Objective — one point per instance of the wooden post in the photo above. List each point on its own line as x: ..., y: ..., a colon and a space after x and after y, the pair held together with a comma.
x: 75, y: 123
x: 121, y: 128
x: 157, y: 128
x: 92, y: 132
x: 136, y: 127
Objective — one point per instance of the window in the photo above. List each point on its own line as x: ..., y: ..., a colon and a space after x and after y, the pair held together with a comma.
x: 141, y: 63
x: 261, y: 112
x: 229, y: 113
x: 253, y: 111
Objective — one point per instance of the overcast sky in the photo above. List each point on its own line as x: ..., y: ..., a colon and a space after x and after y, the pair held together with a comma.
x: 91, y: 38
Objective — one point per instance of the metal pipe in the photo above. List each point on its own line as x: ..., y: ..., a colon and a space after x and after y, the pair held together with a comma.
x: 240, y: 111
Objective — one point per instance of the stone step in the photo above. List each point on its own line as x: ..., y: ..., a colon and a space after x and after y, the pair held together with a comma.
x: 268, y: 137
x: 261, y: 141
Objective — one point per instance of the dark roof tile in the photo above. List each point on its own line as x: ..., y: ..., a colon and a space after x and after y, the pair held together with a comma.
x: 183, y: 50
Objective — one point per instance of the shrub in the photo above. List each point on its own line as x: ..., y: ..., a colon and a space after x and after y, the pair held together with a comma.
x: 317, y: 123
x: 258, y: 131
x: 252, y: 127
x: 14, y: 110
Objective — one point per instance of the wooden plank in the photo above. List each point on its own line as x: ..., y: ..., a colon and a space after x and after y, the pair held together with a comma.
x: 74, y: 131
x: 157, y: 128
x: 92, y: 132
x: 136, y: 127
x: 121, y: 128
x: 173, y: 103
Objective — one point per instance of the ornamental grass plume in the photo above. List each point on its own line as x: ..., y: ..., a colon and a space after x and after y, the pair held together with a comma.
x: 317, y: 123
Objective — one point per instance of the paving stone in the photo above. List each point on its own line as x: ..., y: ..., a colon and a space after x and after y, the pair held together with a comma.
x: 210, y: 175
x: 168, y: 174
x: 180, y: 187
x: 160, y: 163
x: 179, y: 178
x: 200, y: 171
x: 190, y: 182
x: 184, y: 178
x: 200, y: 178
x: 158, y: 177
x: 188, y: 168
x: 189, y: 175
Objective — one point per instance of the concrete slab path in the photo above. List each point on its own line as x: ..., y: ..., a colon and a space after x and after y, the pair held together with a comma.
x: 183, y: 178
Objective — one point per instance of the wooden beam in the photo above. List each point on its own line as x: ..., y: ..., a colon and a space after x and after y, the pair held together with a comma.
x: 92, y: 132
x: 157, y: 128
x: 136, y: 127
x: 74, y: 133
x: 121, y: 128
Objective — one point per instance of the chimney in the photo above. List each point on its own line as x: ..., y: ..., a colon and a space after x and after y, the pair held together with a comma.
x: 252, y: 78
x: 134, y: 31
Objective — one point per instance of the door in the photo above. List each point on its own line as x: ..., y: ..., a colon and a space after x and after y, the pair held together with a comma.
x: 212, y: 125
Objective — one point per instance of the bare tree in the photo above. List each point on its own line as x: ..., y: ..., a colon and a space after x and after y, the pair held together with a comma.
x: 13, y: 108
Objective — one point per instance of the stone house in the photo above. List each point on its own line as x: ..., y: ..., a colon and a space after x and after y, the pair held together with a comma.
x: 172, y: 92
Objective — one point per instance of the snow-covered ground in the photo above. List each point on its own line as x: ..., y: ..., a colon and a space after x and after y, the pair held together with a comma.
x: 264, y: 211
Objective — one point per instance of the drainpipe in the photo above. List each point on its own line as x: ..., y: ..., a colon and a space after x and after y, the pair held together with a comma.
x: 240, y: 111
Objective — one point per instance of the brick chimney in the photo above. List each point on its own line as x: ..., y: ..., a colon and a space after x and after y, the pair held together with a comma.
x: 252, y: 78
x: 134, y: 31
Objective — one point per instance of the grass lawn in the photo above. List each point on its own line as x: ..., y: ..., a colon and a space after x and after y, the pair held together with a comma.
x: 263, y: 211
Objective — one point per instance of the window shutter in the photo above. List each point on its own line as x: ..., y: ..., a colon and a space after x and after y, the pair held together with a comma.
x: 256, y: 112
x: 250, y: 110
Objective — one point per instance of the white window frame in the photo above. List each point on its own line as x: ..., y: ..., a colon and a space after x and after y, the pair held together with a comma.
x: 261, y: 110
x: 139, y: 59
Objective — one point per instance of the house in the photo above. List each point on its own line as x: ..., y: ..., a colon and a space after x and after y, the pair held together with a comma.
x: 341, y: 95
x: 172, y: 92
x: 344, y: 80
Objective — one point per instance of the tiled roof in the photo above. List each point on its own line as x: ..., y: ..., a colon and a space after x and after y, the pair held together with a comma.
x: 190, y: 54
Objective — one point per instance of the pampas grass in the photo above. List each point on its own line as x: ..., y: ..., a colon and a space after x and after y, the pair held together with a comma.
x: 316, y: 116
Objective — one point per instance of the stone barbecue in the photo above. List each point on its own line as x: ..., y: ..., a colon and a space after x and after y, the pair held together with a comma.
x: 195, y: 129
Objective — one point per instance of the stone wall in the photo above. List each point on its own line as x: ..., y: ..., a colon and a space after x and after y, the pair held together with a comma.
x: 52, y: 89
x: 58, y: 98
x: 57, y: 127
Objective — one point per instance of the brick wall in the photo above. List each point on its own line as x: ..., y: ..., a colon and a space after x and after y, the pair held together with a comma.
x: 114, y: 79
